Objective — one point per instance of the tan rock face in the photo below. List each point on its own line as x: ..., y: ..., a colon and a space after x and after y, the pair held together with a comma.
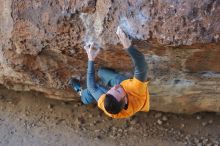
x: 41, y: 46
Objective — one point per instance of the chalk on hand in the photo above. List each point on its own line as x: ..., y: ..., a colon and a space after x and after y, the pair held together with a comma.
x: 118, y: 29
x: 120, y: 32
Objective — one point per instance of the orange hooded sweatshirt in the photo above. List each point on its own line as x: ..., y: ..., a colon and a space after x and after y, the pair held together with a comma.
x: 138, y: 98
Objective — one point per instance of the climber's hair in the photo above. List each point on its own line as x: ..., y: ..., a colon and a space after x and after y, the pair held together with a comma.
x: 111, y: 104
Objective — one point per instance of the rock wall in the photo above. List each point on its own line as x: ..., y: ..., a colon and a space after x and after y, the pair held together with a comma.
x: 41, y: 47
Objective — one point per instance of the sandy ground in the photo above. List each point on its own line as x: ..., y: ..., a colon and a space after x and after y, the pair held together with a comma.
x: 28, y: 118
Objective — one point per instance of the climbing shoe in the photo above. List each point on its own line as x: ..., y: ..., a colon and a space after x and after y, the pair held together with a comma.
x: 75, y: 84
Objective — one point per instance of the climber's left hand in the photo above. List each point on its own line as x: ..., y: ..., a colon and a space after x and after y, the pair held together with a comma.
x: 91, y: 51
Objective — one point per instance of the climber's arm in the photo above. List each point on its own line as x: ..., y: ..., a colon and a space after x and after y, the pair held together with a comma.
x: 137, y: 57
x: 139, y: 63
x: 91, y: 85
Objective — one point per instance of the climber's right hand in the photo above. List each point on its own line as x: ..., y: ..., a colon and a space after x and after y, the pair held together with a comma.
x: 91, y: 52
x: 126, y: 42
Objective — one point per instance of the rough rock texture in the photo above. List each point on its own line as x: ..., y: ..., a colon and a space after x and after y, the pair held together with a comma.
x: 42, y: 40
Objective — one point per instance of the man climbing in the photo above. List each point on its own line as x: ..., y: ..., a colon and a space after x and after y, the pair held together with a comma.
x: 126, y: 96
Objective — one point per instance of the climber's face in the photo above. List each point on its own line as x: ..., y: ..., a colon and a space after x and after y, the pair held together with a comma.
x: 118, y: 92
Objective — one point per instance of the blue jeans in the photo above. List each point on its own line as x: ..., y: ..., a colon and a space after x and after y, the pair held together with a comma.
x: 109, y: 77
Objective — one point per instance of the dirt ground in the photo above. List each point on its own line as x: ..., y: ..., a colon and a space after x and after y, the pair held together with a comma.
x: 29, y: 119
